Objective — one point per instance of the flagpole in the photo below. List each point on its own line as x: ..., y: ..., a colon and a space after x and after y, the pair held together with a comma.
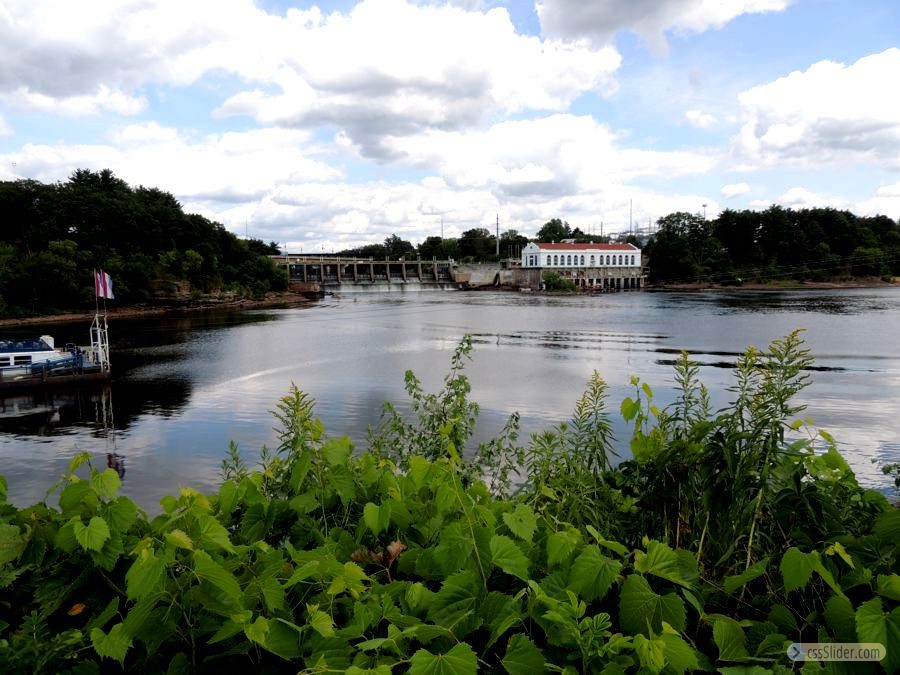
x: 96, y: 294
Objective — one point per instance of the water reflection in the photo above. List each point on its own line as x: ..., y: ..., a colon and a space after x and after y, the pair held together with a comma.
x: 184, y: 387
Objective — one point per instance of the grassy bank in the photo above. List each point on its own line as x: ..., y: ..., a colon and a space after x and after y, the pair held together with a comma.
x: 730, y: 535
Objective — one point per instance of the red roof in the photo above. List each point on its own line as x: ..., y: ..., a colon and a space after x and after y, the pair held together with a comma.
x: 586, y: 247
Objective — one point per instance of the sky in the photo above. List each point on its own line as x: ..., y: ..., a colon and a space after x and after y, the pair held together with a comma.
x: 323, y: 126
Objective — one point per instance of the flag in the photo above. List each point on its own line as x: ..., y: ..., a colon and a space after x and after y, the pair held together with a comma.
x: 103, y: 285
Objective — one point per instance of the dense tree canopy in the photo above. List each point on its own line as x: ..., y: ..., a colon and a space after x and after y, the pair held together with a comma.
x: 55, y: 235
x: 554, y: 230
x: 778, y: 243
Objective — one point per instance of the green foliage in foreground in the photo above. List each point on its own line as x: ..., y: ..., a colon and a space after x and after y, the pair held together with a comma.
x: 724, y: 540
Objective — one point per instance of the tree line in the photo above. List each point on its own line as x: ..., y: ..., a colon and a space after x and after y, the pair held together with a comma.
x: 477, y: 244
x: 55, y: 235
x: 819, y: 244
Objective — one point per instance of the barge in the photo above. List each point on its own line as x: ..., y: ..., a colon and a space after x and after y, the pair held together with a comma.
x: 39, y: 363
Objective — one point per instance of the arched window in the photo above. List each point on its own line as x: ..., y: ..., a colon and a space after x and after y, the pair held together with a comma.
x: 548, y: 260
x: 620, y: 260
x: 632, y: 260
x: 568, y: 260
x: 582, y: 261
x: 607, y: 260
x: 592, y: 261
x: 555, y: 260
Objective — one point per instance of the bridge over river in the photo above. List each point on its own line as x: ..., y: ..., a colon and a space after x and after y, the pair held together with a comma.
x: 313, y: 273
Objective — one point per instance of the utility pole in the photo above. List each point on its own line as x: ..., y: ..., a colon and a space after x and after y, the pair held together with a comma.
x: 442, y: 227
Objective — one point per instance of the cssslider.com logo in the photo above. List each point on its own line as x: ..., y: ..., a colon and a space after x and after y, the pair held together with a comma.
x: 836, y: 651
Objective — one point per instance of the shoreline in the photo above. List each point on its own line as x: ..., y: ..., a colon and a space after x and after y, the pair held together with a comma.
x: 291, y: 299
x: 286, y: 299
x: 775, y: 286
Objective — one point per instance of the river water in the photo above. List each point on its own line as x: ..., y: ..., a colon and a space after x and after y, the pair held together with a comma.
x: 185, y: 387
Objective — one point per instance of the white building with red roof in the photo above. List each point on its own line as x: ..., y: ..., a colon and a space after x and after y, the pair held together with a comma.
x: 603, y: 266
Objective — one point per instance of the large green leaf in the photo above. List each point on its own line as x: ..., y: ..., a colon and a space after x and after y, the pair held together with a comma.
x: 93, y: 535
x: 74, y: 494
x: 593, y: 574
x: 454, y: 605
x: 120, y: 514
x: 521, y: 522
x: 500, y: 612
x: 888, y: 586
x: 180, y: 539
x: 680, y: 656
x: 145, y: 576
x: 213, y: 532
x: 377, y: 518
x: 455, y: 549
x: 841, y: 618
x: 887, y: 526
x: 732, y: 583
x: 336, y: 451
x: 522, y: 657
x: 729, y: 638
x: 209, y: 570
x: 641, y: 610
x: 661, y: 561
x: 228, y: 497
x: 560, y: 545
x: 508, y: 557
x: 460, y: 660
x: 320, y: 622
x: 796, y: 569
x: 113, y: 645
x: 106, y: 483
x: 651, y: 653
x: 139, y: 614
x: 875, y: 625
x: 377, y: 670
x: 11, y: 543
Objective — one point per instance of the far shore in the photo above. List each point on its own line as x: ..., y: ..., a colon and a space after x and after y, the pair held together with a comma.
x: 286, y: 299
x: 289, y: 299
x: 780, y: 285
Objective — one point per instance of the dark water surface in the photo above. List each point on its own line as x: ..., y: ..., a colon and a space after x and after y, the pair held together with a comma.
x: 185, y: 387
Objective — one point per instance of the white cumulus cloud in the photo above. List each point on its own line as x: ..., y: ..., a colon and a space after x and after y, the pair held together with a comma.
x: 889, y: 190
x: 830, y: 113
x: 599, y: 21
x: 5, y: 128
x: 733, y: 190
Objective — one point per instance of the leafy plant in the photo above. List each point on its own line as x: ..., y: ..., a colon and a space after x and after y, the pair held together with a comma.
x: 723, y: 540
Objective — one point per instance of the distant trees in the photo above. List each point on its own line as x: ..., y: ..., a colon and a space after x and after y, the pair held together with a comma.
x: 777, y: 243
x: 478, y: 244
x: 511, y: 244
x: 554, y: 230
x: 55, y: 235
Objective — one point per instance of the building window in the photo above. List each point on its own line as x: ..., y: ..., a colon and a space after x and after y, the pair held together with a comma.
x: 548, y: 261
x: 592, y: 261
x: 620, y: 260
x: 582, y: 261
x: 632, y: 260
x: 607, y: 260
x: 555, y: 261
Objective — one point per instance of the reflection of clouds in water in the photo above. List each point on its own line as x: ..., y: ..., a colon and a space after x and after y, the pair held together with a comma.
x: 218, y: 381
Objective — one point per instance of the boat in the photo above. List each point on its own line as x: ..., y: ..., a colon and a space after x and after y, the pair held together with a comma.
x: 38, y: 362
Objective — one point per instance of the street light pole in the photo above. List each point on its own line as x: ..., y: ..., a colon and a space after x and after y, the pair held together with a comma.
x: 704, y: 212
